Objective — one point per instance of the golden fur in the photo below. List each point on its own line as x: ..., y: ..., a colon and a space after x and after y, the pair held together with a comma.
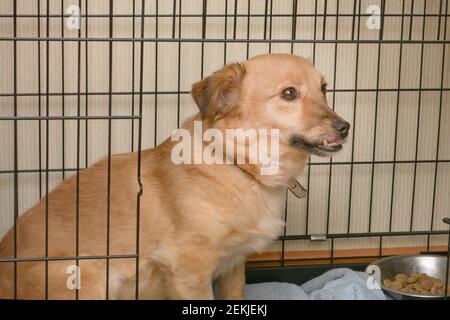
x: 197, y: 222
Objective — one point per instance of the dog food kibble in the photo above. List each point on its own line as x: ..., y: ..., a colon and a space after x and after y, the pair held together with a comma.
x: 415, y: 282
x: 411, y: 280
x: 396, y: 285
x: 401, y: 278
x: 427, y: 284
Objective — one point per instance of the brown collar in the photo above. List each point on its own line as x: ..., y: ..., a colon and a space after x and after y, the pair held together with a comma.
x: 297, y: 189
x: 294, y: 186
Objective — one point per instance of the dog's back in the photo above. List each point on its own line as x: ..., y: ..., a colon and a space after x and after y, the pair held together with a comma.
x: 60, y: 212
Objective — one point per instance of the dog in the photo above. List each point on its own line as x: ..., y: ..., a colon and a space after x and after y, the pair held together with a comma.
x: 197, y: 222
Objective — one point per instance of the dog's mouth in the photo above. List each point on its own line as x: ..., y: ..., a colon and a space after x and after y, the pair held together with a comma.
x: 321, y: 148
x: 330, y: 147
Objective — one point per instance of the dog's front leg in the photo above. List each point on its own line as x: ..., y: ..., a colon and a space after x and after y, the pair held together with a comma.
x: 191, y: 288
x: 231, y: 283
x: 189, y: 281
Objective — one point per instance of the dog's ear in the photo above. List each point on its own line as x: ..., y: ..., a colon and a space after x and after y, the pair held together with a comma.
x: 219, y: 93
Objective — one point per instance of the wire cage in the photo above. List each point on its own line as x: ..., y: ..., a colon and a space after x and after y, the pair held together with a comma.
x: 82, y: 79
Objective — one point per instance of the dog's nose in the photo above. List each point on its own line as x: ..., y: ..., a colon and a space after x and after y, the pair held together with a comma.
x: 342, y: 127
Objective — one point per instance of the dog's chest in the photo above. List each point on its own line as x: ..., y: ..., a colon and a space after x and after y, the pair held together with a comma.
x: 260, y: 226
x: 270, y: 221
x: 254, y: 230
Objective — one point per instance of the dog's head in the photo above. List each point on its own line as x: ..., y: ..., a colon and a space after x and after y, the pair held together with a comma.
x: 274, y: 91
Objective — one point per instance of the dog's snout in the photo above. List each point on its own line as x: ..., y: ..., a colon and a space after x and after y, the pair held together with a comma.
x: 342, y: 127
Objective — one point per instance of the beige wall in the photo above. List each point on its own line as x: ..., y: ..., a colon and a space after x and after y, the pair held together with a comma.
x: 167, y: 72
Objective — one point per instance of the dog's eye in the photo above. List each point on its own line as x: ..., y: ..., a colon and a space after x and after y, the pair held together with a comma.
x: 289, y: 94
x: 324, y: 89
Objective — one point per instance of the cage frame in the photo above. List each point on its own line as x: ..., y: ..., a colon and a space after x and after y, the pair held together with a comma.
x: 138, y: 93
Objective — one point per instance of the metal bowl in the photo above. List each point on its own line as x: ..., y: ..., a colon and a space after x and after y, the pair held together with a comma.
x: 432, y: 265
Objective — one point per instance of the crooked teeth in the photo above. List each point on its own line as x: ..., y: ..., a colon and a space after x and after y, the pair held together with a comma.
x: 325, y: 143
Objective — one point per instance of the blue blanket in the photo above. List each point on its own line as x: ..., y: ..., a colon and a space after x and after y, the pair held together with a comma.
x: 335, y: 284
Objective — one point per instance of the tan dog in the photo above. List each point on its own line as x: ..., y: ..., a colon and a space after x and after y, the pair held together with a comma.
x: 197, y: 222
